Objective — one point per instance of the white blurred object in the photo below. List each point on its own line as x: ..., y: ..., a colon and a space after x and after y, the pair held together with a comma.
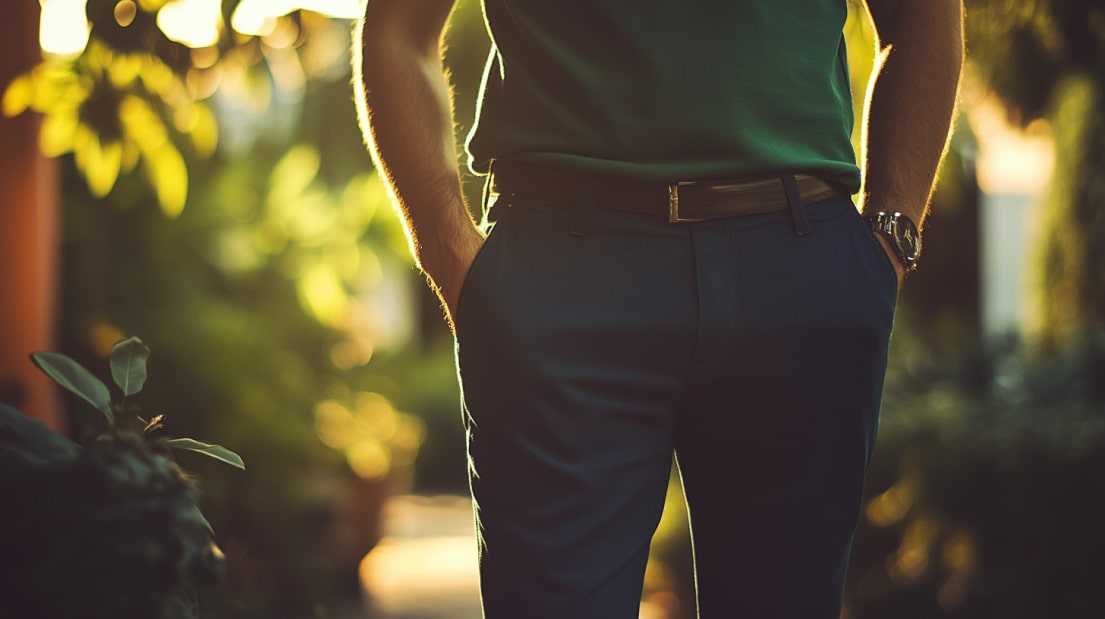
x: 194, y: 23
x: 257, y: 17
x: 1014, y: 167
x: 1004, y: 224
x: 63, y: 28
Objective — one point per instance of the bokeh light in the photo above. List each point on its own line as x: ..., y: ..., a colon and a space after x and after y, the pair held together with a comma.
x: 195, y: 23
x: 259, y: 17
x: 63, y: 29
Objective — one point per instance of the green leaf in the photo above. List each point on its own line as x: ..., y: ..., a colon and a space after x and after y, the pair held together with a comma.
x: 217, y: 452
x: 30, y: 442
x: 128, y: 365
x: 169, y: 174
x: 72, y: 376
x: 18, y: 96
x: 198, y: 515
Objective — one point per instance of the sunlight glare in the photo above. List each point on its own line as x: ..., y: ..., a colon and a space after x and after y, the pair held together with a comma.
x: 63, y: 29
x: 257, y: 17
x: 194, y: 23
x: 341, y: 9
x: 1011, y: 160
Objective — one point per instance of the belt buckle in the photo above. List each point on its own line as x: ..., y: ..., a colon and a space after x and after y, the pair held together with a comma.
x: 673, y: 202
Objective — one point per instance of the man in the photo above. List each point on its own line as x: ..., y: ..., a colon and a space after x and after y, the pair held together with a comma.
x: 676, y: 267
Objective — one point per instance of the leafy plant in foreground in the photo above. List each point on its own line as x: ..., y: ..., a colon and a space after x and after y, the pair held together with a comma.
x: 109, y: 529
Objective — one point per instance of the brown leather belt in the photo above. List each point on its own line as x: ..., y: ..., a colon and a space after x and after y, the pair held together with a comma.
x: 679, y: 202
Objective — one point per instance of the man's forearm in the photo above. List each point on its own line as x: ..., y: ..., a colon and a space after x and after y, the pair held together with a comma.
x: 912, y: 102
x: 403, y: 102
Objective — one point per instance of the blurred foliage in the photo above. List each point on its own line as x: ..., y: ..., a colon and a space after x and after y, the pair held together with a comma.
x: 1070, y: 261
x: 1046, y: 59
x: 859, y: 36
x: 986, y: 499
x: 113, y: 110
x: 669, y: 575
x: 985, y: 492
x: 1025, y: 49
x: 373, y: 436
x: 133, y: 95
x: 265, y: 358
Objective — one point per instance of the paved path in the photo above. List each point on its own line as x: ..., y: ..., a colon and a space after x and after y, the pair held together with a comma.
x: 425, y: 566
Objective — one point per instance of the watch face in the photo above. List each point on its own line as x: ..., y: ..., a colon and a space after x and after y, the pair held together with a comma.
x: 907, y: 238
x: 901, y: 232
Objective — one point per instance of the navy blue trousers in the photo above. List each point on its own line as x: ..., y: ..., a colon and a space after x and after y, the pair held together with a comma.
x: 594, y: 344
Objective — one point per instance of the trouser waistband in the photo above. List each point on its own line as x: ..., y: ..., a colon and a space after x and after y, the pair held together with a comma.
x: 679, y: 202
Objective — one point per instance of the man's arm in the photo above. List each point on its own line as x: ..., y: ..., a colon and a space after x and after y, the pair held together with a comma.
x: 911, y: 104
x: 404, y: 110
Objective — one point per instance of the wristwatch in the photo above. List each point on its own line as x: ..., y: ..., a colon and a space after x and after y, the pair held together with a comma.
x: 901, y: 232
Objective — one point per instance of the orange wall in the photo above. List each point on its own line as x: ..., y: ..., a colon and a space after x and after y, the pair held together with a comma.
x: 28, y: 232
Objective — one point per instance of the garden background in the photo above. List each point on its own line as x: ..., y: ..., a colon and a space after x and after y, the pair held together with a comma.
x: 191, y: 172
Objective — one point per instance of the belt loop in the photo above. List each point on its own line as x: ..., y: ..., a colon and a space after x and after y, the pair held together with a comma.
x: 798, y: 219
x: 581, y: 214
x: 489, y: 198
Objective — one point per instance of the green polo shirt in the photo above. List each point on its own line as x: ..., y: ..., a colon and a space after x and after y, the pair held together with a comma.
x: 667, y: 90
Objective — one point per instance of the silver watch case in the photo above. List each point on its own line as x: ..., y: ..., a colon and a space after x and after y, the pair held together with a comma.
x: 901, y: 232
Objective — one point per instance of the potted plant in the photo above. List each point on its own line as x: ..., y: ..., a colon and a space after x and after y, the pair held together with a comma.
x: 110, y: 528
